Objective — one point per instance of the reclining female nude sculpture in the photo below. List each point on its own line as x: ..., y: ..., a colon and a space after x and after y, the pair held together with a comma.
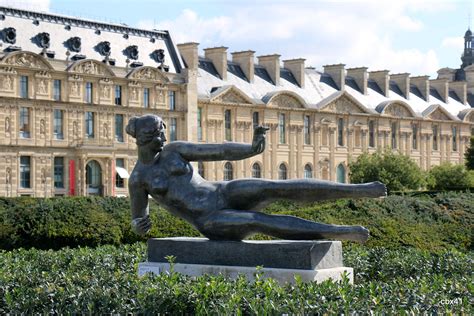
x: 227, y: 210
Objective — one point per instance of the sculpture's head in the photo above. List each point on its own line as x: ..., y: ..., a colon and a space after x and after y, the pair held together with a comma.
x: 147, y: 130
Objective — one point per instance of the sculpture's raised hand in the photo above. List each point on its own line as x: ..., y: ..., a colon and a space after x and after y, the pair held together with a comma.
x: 258, y: 143
x: 141, y: 225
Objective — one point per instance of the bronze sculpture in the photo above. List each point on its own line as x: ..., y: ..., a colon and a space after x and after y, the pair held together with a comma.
x: 227, y: 210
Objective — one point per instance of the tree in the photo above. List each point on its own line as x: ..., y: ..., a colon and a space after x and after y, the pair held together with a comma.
x: 448, y: 176
x: 469, y: 155
x: 398, y: 172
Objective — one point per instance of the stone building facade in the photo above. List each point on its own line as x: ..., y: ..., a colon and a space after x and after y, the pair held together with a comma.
x: 67, y: 90
x: 69, y: 86
x: 321, y: 120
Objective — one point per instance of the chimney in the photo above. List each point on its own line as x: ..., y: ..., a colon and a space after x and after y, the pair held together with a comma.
x: 218, y: 56
x: 441, y: 85
x: 423, y: 84
x: 460, y: 88
x: 337, y: 74
x: 189, y: 52
x: 403, y: 82
x: 360, y: 76
x: 446, y: 73
x: 245, y: 60
x: 272, y: 66
x: 296, y: 66
x: 382, y: 78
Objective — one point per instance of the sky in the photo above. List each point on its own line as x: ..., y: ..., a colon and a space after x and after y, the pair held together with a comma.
x: 414, y: 36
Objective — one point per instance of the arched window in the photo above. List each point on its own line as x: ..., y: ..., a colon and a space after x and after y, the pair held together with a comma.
x: 256, y: 171
x: 201, y: 168
x: 282, y: 172
x: 341, y: 173
x: 308, y: 171
x: 228, y: 171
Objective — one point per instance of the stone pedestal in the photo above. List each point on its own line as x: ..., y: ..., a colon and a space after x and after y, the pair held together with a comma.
x: 280, y: 259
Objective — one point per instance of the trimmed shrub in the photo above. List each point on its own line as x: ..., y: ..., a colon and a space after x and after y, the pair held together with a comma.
x: 441, y: 221
x: 398, y: 172
x: 104, y: 281
x: 448, y: 177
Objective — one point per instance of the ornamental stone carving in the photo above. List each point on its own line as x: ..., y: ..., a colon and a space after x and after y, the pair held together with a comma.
x: 75, y: 89
x: 231, y: 97
x: 42, y: 86
x: 6, y: 83
x: 398, y: 111
x: 439, y: 115
x: 7, y: 125
x: 134, y: 94
x: 106, y: 91
x: 147, y: 73
x: 286, y: 101
x: 344, y: 105
x: 26, y: 60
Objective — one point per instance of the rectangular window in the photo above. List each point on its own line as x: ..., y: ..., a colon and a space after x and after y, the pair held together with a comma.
x: 172, y: 100
x: 227, y: 125
x: 394, y: 135
x: 340, y: 131
x: 90, y: 118
x: 58, y: 123
x: 146, y: 97
x: 255, y: 119
x: 57, y: 90
x: 59, y: 172
x: 435, y: 137
x: 24, y: 122
x: 306, y: 127
x: 118, y: 95
x: 282, y: 128
x: 199, y: 124
x: 173, y: 129
x: 119, y: 127
x: 119, y: 181
x: 24, y: 87
x: 88, y: 94
x: 371, y: 134
x: 415, y: 136
x: 25, y: 171
x: 455, y: 138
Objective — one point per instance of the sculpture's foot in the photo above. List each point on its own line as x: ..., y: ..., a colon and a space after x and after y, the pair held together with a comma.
x: 376, y: 189
x: 358, y: 234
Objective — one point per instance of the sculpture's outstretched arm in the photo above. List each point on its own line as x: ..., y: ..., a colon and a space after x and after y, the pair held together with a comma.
x: 225, y: 151
x: 141, y: 223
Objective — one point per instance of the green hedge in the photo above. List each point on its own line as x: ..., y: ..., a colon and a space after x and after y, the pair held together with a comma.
x: 432, y: 222
x: 104, y: 281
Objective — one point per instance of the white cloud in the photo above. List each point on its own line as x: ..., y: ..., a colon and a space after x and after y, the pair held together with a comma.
x: 354, y: 33
x: 456, y: 43
x: 35, y: 5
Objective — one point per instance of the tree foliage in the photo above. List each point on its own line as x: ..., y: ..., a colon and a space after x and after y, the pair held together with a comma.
x: 448, y: 176
x: 398, y: 172
x: 469, y: 155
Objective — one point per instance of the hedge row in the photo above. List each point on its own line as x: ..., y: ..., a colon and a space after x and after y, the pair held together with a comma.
x: 431, y: 222
x: 104, y: 281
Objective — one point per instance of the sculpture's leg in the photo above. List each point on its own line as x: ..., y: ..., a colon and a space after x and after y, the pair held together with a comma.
x: 237, y: 225
x: 254, y: 193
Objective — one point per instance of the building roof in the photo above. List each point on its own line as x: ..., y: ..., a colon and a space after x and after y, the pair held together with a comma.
x: 320, y: 87
x: 62, y: 29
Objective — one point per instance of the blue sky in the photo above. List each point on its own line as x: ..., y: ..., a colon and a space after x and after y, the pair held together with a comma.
x: 412, y: 36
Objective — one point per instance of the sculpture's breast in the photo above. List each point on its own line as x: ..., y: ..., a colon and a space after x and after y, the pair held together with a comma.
x: 158, y: 180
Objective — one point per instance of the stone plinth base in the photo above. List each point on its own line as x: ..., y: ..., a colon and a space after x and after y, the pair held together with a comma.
x: 280, y: 259
x: 280, y: 275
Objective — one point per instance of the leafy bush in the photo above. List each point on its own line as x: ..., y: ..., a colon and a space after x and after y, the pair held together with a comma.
x: 469, y: 155
x: 398, y: 172
x: 447, y: 176
x: 104, y: 281
x: 441, y: 221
